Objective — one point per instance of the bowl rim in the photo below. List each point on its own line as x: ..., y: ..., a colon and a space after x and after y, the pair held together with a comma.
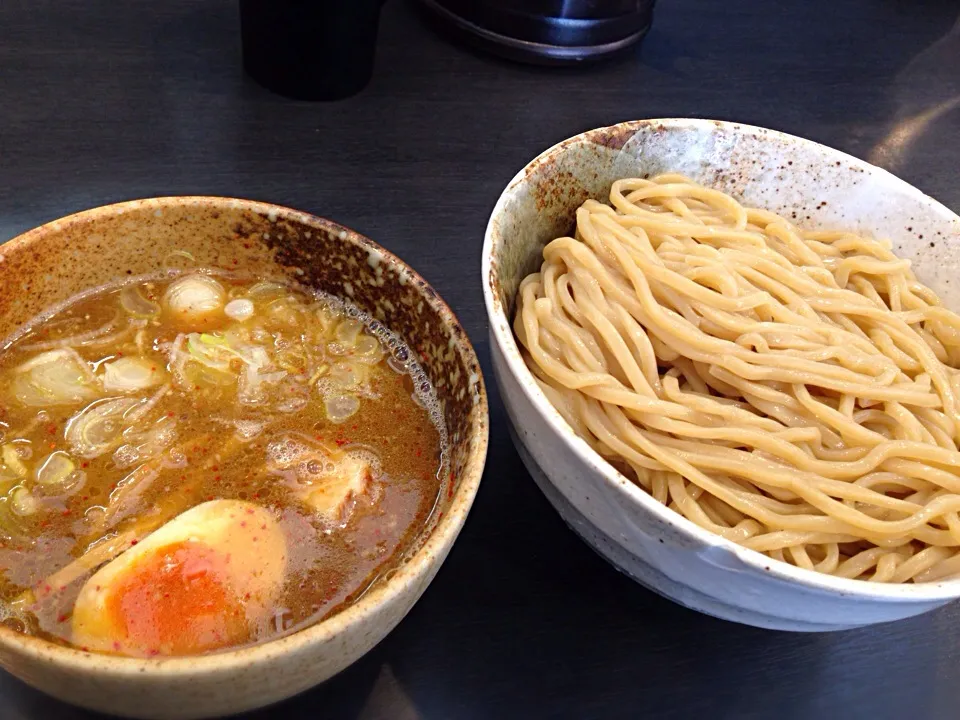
x: 427, y: 556
x: 501, y: 329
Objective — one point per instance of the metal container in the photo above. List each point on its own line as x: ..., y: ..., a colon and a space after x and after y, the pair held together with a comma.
x: 554, y: 32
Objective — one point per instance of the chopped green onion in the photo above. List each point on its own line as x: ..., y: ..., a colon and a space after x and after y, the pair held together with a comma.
x: 368, y: 350
x: 239, y: 309
x: 265, y: 291
x: 132, y: 374
x: 12, y: 461
x: 341, y: 407
x: 55, y: 469
x: 22, y: 502
x: 57, y: 377
x: 96, y: 429
x: 136, y: 304
x: 348, y: 331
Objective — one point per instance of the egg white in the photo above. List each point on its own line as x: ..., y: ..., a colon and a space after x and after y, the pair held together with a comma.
x: 246, y: 537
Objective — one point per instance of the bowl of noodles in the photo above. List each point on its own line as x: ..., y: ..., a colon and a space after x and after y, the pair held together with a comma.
x: 730, y: 361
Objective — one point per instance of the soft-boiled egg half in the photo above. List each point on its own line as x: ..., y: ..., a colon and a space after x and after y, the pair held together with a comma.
x: 207, y: 579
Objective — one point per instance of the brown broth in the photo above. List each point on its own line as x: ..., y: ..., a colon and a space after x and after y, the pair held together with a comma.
x: 199, y: 442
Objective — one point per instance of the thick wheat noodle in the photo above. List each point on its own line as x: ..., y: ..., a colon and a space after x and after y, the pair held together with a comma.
x: 794, y: 391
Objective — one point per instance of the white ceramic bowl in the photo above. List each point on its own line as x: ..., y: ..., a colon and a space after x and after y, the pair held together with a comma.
x: 664, y: 551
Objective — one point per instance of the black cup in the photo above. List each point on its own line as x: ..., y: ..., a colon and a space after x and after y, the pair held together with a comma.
x: 310, y: 49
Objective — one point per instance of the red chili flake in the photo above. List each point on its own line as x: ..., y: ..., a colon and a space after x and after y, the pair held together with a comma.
x: 52, y: 429
x: 61, y: 618
x: 47, y: 589
x: 243, y: 523
x: 263, y: 527
x: 134, y: 541
x: 246, y: 246
x: 419, y: 452
x: 341, y: 442
x: 85, y: 464
x: 217, y: 478
x: 215, y: 468
x: 84, y: 648
x: 152, y: 652
x: 247, y: 596
x: 170, y: 414
x: 256, y: 495
x: 119, y: 354
x: 52, y: 445
x: 62, y: 588
x: 249, y: 511
x: 254, y: 538
x: 85, y: 497
x: 210, y: 497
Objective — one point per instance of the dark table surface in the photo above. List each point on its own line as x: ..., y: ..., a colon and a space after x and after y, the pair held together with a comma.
x: 102, y: 101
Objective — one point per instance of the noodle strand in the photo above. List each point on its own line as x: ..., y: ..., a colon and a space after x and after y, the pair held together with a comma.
x: 793, y: 391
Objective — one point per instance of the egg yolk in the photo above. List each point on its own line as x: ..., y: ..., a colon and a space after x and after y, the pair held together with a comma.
x: 176, y: 603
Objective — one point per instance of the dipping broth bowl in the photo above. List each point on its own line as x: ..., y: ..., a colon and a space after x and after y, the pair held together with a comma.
x: 52, y: 263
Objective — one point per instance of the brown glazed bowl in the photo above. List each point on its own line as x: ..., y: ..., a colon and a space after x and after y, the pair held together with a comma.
x: 50, y: 264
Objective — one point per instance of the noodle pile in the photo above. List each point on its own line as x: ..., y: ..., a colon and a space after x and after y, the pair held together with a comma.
x: 796, y: 392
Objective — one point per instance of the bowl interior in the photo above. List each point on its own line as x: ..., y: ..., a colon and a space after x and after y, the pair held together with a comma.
x: 50, y: 264
x: 814, y: 185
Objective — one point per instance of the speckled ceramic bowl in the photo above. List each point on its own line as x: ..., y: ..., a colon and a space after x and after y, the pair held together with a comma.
x: 50, y: 264
x: 815, y: 185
